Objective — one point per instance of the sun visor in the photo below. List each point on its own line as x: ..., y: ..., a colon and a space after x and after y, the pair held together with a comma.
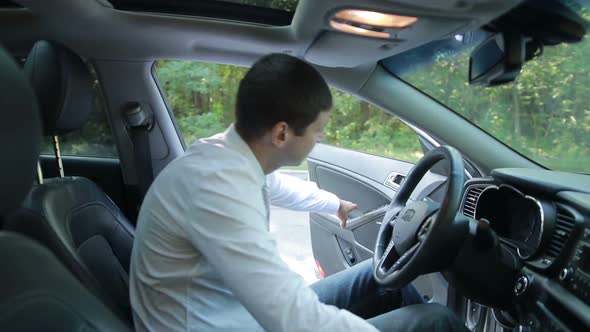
x: 353, y: 50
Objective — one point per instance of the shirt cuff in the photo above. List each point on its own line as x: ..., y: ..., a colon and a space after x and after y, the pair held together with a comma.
x: 332, y: 203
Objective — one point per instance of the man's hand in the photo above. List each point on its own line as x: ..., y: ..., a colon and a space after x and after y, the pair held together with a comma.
x: 344, y: 210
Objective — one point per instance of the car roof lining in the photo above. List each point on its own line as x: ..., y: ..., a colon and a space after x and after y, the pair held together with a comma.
x: 139, y: 36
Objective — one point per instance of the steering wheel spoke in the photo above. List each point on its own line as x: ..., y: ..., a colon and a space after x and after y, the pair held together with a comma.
x: 392, y: 214
x: 388, y: 258
x: 405, y: 258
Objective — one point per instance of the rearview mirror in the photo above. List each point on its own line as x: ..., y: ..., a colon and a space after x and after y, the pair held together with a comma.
x: 497, y: 60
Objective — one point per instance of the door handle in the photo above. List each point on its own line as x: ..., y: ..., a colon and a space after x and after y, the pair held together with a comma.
x: 375, y: 214
x: 394, y: 180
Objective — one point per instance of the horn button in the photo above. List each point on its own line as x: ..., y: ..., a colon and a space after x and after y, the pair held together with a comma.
x: 408, y: 222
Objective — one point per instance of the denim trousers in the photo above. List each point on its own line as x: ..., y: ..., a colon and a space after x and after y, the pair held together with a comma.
x: 392, y: 310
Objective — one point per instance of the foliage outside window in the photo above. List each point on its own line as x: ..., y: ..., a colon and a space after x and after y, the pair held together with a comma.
x: 202, y: 97
x: 94, y: 139
x: 287, y: 5
x: 544, y: 114
x: 358, y: 125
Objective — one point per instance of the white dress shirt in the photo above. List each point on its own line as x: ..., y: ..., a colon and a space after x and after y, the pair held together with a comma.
x: 203, y: 257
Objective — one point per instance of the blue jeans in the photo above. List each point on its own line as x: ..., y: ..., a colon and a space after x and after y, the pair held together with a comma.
x: 355, y: 290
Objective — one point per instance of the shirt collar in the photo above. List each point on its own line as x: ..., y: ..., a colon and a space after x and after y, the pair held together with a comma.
x: 235, y: 141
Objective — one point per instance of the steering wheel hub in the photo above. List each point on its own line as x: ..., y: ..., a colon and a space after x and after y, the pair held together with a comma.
x: 410, y: 221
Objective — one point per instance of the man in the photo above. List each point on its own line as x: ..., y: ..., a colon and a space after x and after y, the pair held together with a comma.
x: 203, y: 257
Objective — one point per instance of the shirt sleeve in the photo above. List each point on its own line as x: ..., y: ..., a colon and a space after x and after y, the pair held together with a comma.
x: 226, y: 224
x: 295, y: 194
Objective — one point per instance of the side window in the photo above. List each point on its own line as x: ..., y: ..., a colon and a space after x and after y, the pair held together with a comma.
x: 358, y: 125
x: 94, y: 139
x: 202, y: 97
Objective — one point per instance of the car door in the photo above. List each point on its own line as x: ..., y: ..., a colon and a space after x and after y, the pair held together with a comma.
x: 370, y: 180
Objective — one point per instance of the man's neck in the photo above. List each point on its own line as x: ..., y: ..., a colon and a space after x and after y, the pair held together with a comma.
x: 264, y: 157
x: 262, y: 154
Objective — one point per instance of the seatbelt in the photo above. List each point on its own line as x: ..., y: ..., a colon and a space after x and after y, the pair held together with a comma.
x: 57, y: 150
x: 39, y: 173
x: 139, y: 123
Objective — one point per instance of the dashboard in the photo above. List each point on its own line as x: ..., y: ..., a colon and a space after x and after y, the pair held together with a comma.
x: 542, y: 218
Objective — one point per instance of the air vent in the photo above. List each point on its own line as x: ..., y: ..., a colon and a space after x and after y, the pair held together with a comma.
x: 564, y: 225
x: 471, y: 201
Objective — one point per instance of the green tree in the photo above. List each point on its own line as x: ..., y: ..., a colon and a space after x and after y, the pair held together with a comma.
x: 202, y: 95
x: 544, y: 114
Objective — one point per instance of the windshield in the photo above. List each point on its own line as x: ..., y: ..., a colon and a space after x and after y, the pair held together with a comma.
x: 544, y: 114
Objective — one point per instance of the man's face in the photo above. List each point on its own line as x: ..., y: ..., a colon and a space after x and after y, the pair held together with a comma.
x: 299, y: 147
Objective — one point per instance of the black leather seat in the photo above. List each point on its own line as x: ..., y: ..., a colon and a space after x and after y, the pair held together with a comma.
x: 77, y: 220
x: 36, y: 292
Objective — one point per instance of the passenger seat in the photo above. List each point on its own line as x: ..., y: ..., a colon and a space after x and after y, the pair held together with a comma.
x: 77, y: 220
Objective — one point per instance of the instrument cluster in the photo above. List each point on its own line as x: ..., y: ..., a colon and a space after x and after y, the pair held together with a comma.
x: 518, y: 219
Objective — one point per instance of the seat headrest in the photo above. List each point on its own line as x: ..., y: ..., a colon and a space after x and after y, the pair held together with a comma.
x: 63, y: 86
x: 20, y: 134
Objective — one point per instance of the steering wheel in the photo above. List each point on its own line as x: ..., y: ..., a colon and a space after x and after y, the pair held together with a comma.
x: 421, y: 237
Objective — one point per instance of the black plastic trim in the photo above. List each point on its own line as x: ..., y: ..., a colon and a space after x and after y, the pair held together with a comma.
x: 9, y: 4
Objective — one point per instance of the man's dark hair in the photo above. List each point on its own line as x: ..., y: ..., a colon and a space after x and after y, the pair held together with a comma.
x: 277, y: 88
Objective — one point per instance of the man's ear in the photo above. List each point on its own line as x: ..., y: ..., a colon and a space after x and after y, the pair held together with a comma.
x: 279, y: 134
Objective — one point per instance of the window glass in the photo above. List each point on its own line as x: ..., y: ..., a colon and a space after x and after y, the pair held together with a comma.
x: 544, y: 114
x: 286, y: 5
x: 358, y: 125
x: 202, y: 97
